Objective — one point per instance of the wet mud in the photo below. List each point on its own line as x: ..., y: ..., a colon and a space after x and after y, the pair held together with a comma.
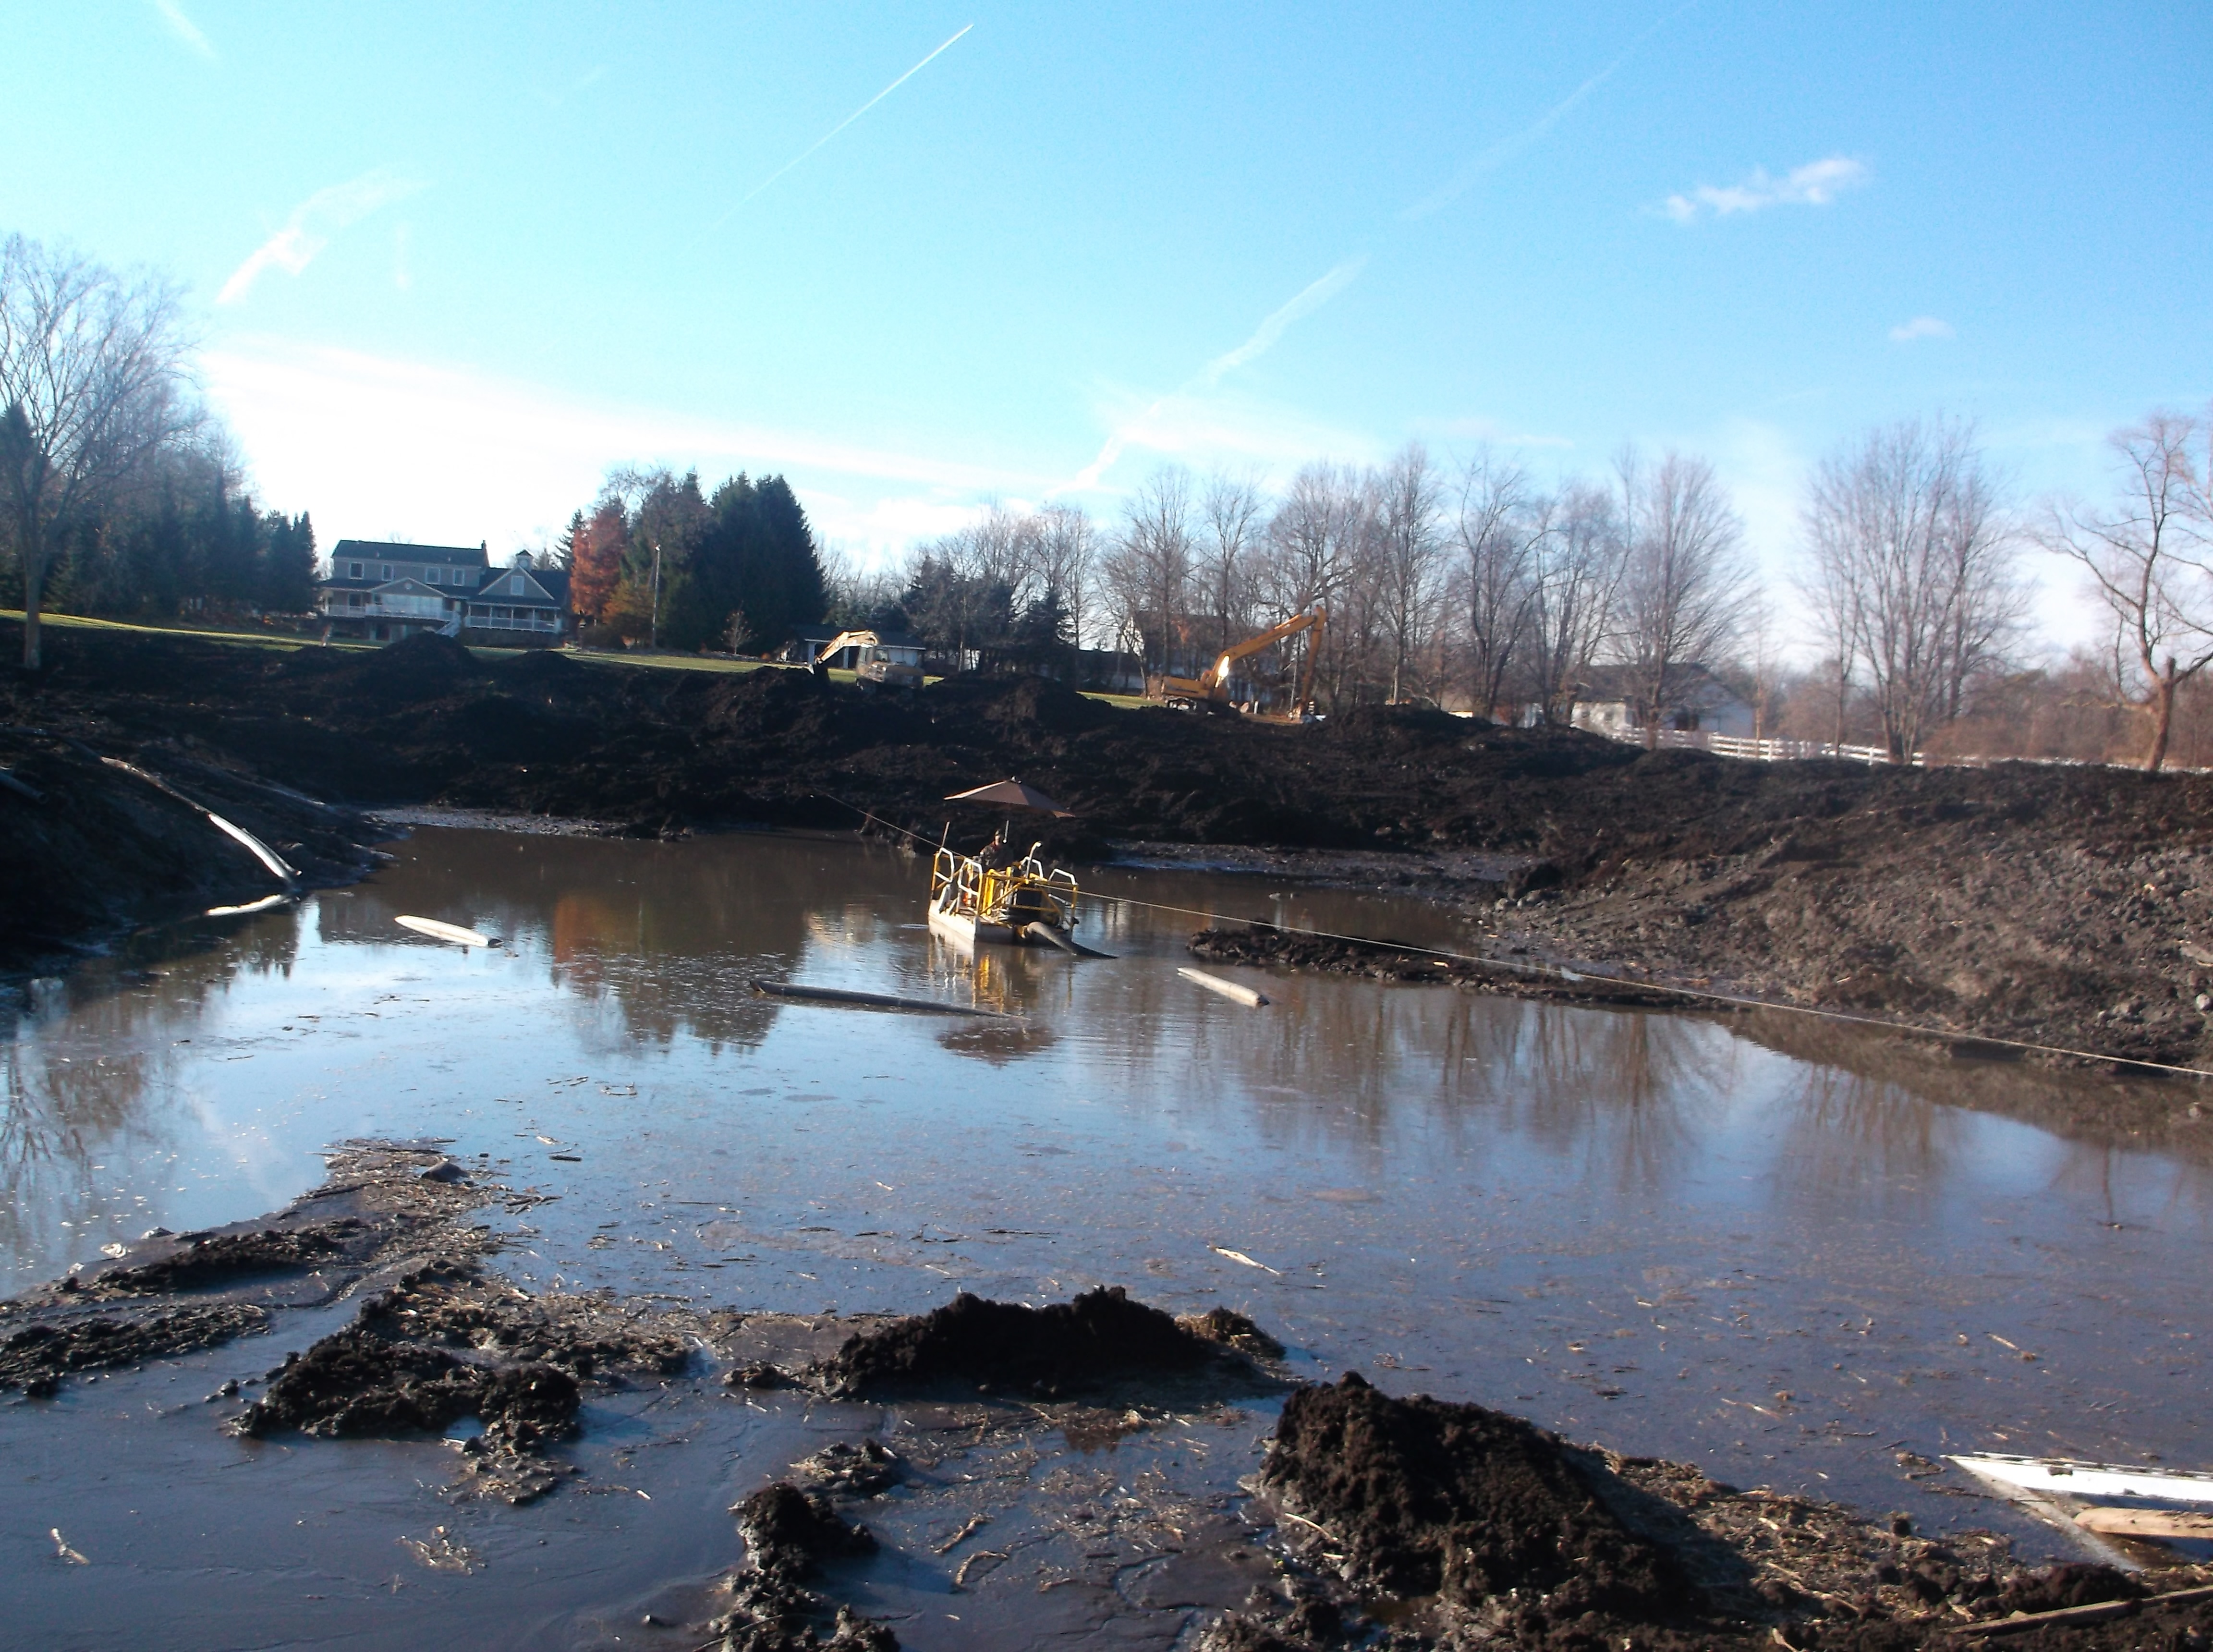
x: 448, y: 1341
x: 1373, y: 1520
x: 1417, y: 1523
x: 789, y: 1534
x: 386, y: 1206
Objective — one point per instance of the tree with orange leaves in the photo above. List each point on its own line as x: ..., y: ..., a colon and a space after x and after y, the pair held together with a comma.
x: 596, y: 546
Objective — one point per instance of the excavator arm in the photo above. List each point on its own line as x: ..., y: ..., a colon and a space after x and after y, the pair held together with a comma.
x: 1213, y: 684
x: 1218, y: 673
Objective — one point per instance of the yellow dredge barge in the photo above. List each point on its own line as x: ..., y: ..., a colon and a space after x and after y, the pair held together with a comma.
x: 1026, y: 904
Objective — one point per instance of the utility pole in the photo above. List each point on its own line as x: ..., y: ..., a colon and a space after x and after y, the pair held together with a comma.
x: 655, y: 644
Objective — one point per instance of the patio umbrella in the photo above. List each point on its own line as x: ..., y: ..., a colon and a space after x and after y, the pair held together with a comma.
x: 1012, y: 794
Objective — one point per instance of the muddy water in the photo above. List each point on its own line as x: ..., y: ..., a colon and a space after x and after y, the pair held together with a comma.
x: 1675, y: 1235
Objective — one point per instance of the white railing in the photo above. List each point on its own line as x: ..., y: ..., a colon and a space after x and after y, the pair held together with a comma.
x: 1783, y: 750
x: 1759, y: 750
x: 528, y: 622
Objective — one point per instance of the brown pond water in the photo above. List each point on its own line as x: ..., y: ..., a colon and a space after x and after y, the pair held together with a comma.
x: 1787, y: 1255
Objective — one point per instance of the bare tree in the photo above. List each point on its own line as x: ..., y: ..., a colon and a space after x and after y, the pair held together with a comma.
x: 1495, y: 532
x: 92, y: 382
x: 1066, y: 547
x: 1685, y: 583
x: 1576, y: 568
x: 1314, y: 538
x: 1149, y: 567
x: 1911, y: 554
x: 1231, y: 511
x: 2148, y: 560
x: 1406, y: 545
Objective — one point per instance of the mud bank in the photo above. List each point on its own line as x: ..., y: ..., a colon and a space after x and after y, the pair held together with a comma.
x: 96, y: 850
x: 1417, y: 1524
x: 2065, y: 907
x: 1372, y: 1520
x: 387, y: 1207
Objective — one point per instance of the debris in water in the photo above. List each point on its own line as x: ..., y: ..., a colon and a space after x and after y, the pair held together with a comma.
x: 441, y: 931
x: 838, y: 995
x: 441, y: 1554
x: 1240, y: 1256
x: 61, y: 1550
x: 265, y: 904
x: 1231, y: 990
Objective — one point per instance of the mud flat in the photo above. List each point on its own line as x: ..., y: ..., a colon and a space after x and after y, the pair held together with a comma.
x: 1360, y: 1519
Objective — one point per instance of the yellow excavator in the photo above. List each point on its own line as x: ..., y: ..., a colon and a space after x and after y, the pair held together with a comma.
x: 876, y: 662
x: 1209, y: 690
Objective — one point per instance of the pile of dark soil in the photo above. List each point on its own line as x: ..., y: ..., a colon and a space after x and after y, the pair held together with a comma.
x: 1425, y: 1498
x: 96, y: 851
x: 1005, y: 1348
x: 2058, y: 906
x: 1458, y: 1526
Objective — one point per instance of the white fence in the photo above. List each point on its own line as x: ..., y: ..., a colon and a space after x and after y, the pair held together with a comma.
x: 1783, y: 750
x: 1761, y: 750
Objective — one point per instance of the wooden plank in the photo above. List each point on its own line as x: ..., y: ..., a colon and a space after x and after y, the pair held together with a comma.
x: 2146, y: 1522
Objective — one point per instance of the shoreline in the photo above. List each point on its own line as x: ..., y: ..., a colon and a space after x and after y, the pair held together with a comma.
x: 2065, y: 908
x: 1443, y: 1524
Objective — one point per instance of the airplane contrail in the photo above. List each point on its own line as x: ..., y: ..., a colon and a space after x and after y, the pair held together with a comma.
x: 1506, y: 149
x: 835, y: 129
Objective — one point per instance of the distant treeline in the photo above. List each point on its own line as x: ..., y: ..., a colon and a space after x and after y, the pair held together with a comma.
x: 182, y: 537
x: 656, y: 561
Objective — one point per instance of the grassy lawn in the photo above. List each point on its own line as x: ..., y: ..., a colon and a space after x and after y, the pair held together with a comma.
x: 591, y: 657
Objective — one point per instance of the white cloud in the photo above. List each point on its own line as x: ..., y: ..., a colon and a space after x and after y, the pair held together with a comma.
x: 1921, y: 326
x: 1163, y: 411
x: 1816, y: 184
x: 184, y: 28
x: 315, y: 223
x: 370, y: 444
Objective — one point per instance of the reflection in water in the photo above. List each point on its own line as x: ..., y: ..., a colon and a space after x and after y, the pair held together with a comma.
x: 1409, y: 1158
x: 92, y: 1111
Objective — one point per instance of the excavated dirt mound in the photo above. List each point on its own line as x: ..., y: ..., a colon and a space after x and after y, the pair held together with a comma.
x: 1425, y: 1498
x: 1006, y: 1348
x: 1461, y: 1526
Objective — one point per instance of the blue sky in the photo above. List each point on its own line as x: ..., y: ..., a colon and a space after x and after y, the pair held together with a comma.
x: 451, y: 263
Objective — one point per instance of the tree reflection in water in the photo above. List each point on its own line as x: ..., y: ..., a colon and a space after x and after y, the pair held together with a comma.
x: 90, y: 1096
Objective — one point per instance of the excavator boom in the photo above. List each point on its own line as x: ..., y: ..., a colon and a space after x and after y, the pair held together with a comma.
x: 1214, y: 683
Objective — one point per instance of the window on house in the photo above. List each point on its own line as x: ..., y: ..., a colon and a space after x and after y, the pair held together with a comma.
x: 516, y: 585
x: 433, y: 576
x: 387, y: 571
x: 353, y: 570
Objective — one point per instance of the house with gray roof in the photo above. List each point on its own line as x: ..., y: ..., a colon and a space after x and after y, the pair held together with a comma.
x: 382, y: 590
